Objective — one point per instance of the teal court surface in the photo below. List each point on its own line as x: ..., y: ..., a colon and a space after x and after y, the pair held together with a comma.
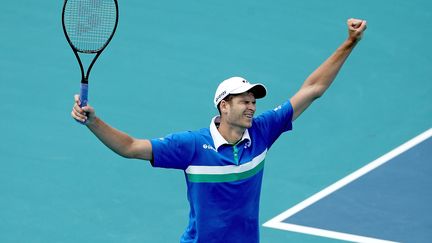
x: 355, y: 168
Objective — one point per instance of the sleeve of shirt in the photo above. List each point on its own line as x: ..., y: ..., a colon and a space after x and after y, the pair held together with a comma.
x: 173, y: 151
x: 271, y: 124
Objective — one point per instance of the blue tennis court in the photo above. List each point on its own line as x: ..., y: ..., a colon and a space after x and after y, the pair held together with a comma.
x: 384, y: 201
x: 58, y: 183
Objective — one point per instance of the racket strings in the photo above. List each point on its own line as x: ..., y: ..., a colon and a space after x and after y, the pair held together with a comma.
x: 90, y: 23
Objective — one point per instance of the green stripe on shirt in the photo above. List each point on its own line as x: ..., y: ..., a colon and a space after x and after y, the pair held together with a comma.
x: 215, y: 178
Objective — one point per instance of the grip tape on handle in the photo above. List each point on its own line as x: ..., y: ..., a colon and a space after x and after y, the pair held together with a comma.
x: 83, y: 97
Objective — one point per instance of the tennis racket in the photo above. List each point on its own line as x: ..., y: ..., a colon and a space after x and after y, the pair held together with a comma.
x: 89, y: 25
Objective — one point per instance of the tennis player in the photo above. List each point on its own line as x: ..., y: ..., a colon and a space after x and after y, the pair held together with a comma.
x: 223, y: 164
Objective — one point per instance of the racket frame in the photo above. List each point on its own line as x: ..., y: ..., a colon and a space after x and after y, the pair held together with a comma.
x: 85, y: 75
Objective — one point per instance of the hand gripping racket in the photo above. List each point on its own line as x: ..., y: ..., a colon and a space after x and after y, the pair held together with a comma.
x: 89, y: 26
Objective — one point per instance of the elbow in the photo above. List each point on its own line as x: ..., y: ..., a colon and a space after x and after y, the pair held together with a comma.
x: 129, y: 153
x: 318, y: 95
x: 126, y: 151
x: 137, y: 149
x: 319, y: 91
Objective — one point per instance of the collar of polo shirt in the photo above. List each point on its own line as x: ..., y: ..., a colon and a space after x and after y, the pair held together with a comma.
x: 217, y: 137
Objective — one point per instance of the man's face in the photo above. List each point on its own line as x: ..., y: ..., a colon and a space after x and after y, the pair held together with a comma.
x: 240, y: 110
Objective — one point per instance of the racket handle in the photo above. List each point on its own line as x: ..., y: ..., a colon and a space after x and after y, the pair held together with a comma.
x: 83, y: 97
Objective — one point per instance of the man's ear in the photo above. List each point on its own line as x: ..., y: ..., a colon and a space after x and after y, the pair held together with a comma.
x: 223, y: 106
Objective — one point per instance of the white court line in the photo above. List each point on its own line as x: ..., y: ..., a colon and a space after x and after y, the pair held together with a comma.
x: 326, y: 233
x: 277, y: 222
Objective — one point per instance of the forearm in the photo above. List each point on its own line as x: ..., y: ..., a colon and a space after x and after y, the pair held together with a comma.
x: 319, y: 81
x: 325, y: 74
x: 117, y: 141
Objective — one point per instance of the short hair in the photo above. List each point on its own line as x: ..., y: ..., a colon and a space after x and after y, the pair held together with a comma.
x: 228, y: 98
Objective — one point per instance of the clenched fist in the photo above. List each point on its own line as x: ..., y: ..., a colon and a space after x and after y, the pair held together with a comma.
x: 356, y: 27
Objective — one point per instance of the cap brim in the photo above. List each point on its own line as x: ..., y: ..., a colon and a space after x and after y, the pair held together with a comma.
x: 258, y: 90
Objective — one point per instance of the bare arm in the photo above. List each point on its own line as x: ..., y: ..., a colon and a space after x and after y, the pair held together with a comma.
x: 319, y: 81
x: 116, y: 140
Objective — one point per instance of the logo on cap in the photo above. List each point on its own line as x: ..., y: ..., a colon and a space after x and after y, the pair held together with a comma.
x: 220, y: 95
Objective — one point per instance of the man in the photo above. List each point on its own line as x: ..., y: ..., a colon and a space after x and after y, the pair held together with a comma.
x: 223, y: 164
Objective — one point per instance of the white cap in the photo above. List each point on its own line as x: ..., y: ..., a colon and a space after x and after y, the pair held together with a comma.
x: 238, y: 85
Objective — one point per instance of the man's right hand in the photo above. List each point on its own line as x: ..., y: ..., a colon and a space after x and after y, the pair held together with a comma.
x: 84, y: 114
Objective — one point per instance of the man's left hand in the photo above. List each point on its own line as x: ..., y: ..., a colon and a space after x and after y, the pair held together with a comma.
x: 356, y: 27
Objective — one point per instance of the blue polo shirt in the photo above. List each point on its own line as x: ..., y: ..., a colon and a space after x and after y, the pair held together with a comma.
x: 223, y: 180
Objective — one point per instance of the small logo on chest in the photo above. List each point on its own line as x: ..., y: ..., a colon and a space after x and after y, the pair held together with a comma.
x: 208, y: 146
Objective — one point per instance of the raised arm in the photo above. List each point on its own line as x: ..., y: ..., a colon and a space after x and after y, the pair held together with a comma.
x: 318, y: 82
x: 116, y: 140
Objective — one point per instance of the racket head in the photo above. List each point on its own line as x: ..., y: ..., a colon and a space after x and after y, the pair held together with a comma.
x: 89, y: 25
